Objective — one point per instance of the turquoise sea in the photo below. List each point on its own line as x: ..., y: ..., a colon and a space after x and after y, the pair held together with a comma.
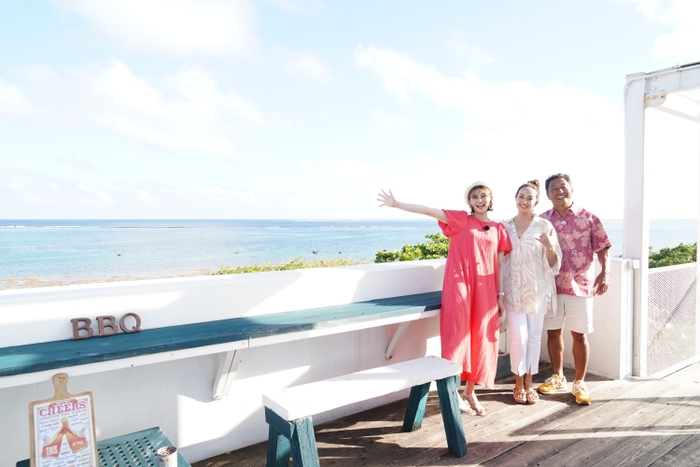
x: 96, y: 250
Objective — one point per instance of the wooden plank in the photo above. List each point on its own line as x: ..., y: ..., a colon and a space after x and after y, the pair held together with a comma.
x: 311, y: 331
x: 22, y: 379
x: 572, y: 439
x: 666, y: 419
x: 225, y: 374
x: 687, y: 453
x: 661, y: 434
x: 389, y: 353
x: 303, y: 443
x: 451, y: 419
x: 415, y: 409
x: 313, y: 398
x: 592, y: 434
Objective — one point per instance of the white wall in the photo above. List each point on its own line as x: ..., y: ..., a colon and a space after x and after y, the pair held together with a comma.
x: 610, y: 344
x: 177, y: 395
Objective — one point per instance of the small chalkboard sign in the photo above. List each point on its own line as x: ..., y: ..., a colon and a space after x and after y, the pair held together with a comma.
x: 62, y: 429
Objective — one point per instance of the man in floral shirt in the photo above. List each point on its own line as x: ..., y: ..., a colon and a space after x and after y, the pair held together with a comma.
x: 582, y: 238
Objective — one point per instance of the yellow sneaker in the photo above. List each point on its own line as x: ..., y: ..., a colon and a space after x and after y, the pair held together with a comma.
x: 552, y: 384
x: 580, y: 392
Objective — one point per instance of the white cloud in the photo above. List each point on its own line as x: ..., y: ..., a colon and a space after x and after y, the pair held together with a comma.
x: 647, y: 7
x: 350, y: 170
x: 95, y: 192
x: 173, y: 27
x: 15, y: 104
x: 307, y: 65
x: 470, y: 54
x: 389, y: 121
x: 683, y: 44
x: 82, y: 165
x: 185, y: 111
x: 297, y: 6
x: 513, y: 131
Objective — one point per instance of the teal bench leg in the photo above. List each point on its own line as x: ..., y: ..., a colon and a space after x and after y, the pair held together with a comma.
x: 304, y: 450
x: 278, y: 449
x: 451, y: 416
x: 415, y: 410
x: 287, y: 438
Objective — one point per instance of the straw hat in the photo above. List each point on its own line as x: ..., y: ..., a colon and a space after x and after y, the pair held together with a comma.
x: 477, y: 183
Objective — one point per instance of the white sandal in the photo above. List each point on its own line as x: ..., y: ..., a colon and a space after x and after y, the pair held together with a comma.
x: 475, y: 404
x: 464, y: 407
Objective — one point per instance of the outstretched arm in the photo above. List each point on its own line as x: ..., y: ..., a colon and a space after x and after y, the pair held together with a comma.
x: 387, y: 199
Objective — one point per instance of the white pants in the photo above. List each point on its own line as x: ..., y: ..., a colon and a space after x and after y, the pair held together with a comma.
x: 525, y: 330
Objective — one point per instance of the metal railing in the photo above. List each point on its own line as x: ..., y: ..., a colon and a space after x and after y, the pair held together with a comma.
x: 672, y: 319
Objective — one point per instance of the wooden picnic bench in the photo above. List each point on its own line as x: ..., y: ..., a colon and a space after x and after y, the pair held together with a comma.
x: 289, y: 411
x: 136, y: 449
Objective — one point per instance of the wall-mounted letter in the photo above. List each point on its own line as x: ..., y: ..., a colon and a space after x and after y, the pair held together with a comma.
x: 137, y: 323
x: 81, y: 324
x: 104, y: 323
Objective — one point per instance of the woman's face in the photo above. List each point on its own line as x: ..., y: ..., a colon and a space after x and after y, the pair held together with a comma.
x: 479, y: 201
x: 526, y: 199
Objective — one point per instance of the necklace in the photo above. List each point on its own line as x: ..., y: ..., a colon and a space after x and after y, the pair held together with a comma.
x: 522, y: 225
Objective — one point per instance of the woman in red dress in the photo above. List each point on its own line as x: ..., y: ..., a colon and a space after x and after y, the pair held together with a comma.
x: 472, y: 290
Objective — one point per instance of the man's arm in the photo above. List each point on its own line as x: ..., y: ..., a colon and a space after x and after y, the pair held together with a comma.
x: 603, y: 279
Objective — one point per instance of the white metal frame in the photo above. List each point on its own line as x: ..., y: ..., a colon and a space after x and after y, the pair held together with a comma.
x: 662, y: 90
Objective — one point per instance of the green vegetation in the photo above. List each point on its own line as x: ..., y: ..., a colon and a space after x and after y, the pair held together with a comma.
x: 680, y: 254
x: 296, y: 263
x: 435, y: 248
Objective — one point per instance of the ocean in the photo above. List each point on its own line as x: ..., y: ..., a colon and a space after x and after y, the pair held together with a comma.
x: 48, y: 252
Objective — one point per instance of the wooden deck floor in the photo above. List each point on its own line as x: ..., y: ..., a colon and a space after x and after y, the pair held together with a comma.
x: 633, y: 422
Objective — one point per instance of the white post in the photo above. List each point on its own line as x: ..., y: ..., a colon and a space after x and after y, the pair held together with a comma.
x: 635, y: 244
x: 697, y: 282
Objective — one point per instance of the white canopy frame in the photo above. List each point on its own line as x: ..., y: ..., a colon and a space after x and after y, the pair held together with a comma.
x: 668, y: 90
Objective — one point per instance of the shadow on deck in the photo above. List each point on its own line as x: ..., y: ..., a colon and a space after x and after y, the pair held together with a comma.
x: 631, y: 422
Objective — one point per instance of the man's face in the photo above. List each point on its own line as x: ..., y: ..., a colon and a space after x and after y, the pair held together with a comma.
x: 560, y: 193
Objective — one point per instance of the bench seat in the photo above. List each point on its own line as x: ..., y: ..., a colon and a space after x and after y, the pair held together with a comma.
x: 289, y: 411
x: 136, y: 449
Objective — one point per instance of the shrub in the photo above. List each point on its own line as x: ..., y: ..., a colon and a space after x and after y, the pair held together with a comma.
x: 435, y: 248
x: 680, y: 254
x: 296, y: 263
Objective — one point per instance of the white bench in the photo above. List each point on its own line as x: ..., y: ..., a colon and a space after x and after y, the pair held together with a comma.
x: 289, y: 411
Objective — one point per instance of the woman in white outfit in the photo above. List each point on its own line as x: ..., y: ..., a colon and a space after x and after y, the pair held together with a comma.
x: 529, y: 287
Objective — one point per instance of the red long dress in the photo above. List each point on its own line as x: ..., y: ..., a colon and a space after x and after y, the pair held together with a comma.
x: 469, y: 314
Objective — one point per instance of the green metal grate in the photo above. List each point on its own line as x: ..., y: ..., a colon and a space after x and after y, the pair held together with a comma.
x: 136, y: 449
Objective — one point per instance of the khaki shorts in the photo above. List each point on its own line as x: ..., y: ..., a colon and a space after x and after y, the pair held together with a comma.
x: 576, y: 311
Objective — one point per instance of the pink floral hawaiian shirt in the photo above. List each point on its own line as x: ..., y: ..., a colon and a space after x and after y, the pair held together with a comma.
x: 581, y: 235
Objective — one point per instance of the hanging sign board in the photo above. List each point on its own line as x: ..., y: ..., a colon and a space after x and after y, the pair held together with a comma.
x: 62, y: 429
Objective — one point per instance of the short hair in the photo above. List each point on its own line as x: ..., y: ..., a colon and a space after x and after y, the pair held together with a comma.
x: 474, y: 187
x: 552, y: 177
x: 535, y: 185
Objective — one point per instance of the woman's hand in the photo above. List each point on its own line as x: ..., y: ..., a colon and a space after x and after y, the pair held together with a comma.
x: 387, y: 199
x: 500, y: 306
x: 546, y: 239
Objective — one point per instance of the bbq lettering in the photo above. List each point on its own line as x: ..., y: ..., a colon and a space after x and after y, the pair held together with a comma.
x: 106, y: 326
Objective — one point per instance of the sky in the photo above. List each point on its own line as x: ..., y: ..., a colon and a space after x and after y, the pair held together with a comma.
x: 305, y: 109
